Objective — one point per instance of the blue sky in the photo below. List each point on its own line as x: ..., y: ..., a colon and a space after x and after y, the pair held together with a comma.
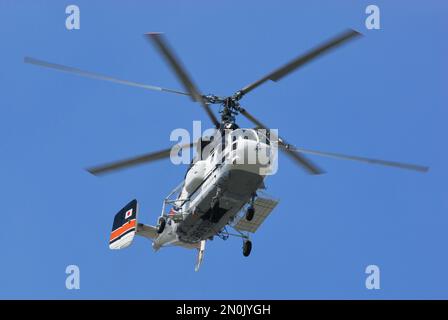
x: 381, y: 96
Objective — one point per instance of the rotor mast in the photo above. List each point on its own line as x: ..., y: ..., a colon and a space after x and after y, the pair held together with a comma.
x: 230, y: 108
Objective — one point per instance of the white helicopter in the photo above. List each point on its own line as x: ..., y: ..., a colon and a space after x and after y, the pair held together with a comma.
x: 223, y: 187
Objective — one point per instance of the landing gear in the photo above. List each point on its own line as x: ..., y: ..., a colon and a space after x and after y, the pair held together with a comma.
x: 250, y: 212
x: 247, y: 247
x: 161, y: 225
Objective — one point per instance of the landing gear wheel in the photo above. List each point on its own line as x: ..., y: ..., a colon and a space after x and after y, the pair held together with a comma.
x: 161, y: 225
x: 250, y: 212
x: 247, y: 248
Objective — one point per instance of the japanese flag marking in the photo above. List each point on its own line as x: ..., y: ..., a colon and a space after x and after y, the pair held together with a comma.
x: 128, y: 213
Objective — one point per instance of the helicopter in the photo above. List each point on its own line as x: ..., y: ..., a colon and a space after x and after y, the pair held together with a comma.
x: 222, y: 189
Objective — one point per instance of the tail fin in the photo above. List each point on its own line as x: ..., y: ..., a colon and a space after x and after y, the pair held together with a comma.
x: 124, y: 227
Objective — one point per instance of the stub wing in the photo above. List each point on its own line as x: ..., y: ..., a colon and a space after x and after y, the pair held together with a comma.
x: 263, y: 207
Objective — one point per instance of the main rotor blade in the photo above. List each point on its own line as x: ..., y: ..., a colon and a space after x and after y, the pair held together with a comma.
x: 300, y: 159
x: 159, y: 42
x: 301, y: 60
x: 98, y: 76
x: 149, y: 157
x: 400, y: 165
x: 307, y: 164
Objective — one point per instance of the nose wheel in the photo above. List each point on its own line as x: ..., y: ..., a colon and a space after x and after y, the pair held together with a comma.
x: 161, y: 225
x: 250, y: 212
x: 247, y: 247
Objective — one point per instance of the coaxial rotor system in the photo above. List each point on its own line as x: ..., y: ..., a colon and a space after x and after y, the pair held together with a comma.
x: 230, y: 105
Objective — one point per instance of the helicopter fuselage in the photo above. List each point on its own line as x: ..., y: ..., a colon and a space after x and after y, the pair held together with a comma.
x: 217, y: 188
